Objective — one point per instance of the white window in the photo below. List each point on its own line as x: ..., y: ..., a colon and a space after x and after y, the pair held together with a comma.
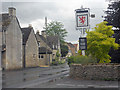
x: 38, y: 44
x: 53, y: 46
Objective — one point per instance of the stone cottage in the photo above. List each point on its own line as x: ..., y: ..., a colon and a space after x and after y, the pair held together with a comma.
x: 11, y: 41
x: 30, y: 47
x: 54, y: 43
x: 71, y: 50
x: 51, y: 42
x: 45, y: 55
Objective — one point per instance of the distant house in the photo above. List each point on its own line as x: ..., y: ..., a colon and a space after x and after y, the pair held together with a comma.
x: 71, y: 50
x: 76, y: 47
x: 45, y: 57
x: 30, y: 48
x: 52, y: 43
x: 11, y: 44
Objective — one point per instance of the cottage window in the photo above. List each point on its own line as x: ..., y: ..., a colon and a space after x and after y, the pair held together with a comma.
x: 53, y: 46
x: 38, y: 44
x: 56, y: 46
x: 42, y: 56
x: 39, y: 55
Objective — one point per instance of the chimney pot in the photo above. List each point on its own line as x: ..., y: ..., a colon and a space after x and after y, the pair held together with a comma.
x: 43, y: 33
x: 12, y: 11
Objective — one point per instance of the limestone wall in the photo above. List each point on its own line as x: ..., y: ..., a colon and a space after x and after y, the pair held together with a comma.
x: 95, y: 72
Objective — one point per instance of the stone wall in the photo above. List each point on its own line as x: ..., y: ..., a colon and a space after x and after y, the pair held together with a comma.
x: 95, y: 72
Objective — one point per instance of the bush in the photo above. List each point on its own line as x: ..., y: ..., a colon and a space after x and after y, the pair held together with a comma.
x: 80, y: 60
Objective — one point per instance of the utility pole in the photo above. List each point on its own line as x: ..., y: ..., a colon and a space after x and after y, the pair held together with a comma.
x: 46, y: 40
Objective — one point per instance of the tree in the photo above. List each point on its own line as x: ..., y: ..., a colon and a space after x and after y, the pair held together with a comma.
x: 113, y: 18
x: 113, y: 14
x: 64, y: 50
x: 56, y: 28
x: 99, y: 42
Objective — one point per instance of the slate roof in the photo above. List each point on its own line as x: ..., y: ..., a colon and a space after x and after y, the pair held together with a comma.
x: 52, y: 40
x: 71, y: 45
x: 42, y: 50
x: 26, y: 33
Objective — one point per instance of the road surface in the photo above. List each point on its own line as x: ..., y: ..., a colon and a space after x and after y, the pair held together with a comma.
x: 50, y: 77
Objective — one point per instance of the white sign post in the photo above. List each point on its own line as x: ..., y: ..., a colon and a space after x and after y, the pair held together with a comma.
x: 82, y: 23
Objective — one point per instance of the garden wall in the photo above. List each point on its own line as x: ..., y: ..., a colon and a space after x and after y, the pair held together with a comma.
x: 95, y: 72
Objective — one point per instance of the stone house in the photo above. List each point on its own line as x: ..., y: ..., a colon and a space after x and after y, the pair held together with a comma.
x: 44, y: 59
x: 76, y: 47
x: 71, y: 50
x: 30, y: 47
x: 51, y: 42
x: 11, y: 44
x: 54, y: 43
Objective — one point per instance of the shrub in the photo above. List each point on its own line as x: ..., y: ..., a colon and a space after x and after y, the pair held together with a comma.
x: 81, y: 60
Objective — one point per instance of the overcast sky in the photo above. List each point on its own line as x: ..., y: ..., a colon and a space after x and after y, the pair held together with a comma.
x: 34, y: 11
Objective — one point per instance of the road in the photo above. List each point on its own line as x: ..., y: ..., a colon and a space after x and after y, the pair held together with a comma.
x: 50, y: 77
x: 33, y: 76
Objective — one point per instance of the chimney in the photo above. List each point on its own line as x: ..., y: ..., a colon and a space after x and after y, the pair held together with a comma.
x: 12, y: 11
x: 30, y: 26
x: 43, y: 33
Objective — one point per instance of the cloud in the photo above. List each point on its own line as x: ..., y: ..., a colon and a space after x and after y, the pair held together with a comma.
x: 34, y: 12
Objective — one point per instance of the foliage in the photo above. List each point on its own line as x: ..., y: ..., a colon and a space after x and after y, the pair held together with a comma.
x: 64, y: 50
x: 79, y: 52
x: 113, y: 18
x: 55, y: 28
x: 100, y: 41
x: 80, y: 60
x: 57, y: 53
x: 57, y: 59
x: 57, y: 56
x: 113, y: 14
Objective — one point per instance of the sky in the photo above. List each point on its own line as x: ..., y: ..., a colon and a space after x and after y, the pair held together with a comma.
x: 34, y: 12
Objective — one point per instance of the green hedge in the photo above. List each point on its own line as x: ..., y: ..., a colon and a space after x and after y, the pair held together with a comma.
x: 81, y: 60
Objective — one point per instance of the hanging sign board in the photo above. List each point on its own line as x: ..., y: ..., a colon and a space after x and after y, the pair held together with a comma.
x: 82, y: 43
x: 82, y: 18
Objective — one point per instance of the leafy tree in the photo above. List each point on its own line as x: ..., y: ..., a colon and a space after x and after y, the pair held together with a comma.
x: 113, y: 14
x: 113, y: 18
x: 79, y: 52
x: 56, y: 28
x: 64, y: 50
x: 99, y: 42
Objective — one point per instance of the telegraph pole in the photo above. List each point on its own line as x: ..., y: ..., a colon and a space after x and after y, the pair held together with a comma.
x: 46, y: 41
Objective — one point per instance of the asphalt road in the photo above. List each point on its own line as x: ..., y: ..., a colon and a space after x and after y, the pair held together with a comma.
x: 30, y: 77
x: 50, y: 77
